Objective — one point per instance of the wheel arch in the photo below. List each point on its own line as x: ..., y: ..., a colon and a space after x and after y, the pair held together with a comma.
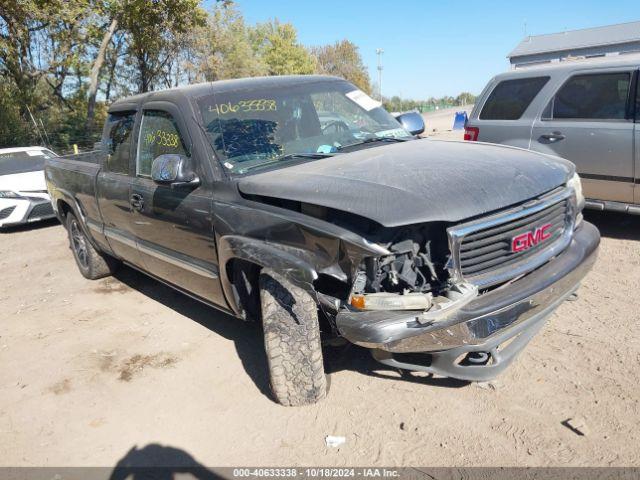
x: 63, y: 208
x: 65, y: 204
x: 294, y: 264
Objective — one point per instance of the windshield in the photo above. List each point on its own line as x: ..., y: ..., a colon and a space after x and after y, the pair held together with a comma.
x: 254, y: 128
x: 23, y: 162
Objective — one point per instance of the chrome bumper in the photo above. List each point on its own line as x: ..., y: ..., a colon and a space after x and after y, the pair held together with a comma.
x: 516, y: 309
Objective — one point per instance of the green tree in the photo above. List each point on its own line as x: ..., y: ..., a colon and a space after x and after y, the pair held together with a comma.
x: 40, y: 40
x: 105, y: 26
x: 43, y: 47
x: 227, y: 51
x: 465, y: 98
x: 153, y: 27
x: 277, y: 45
x: 343, y: 59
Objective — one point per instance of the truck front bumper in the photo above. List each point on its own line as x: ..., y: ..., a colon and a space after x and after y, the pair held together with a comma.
x: 499, y: 323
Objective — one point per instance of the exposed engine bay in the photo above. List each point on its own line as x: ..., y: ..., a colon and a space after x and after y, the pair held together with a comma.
x: 417, y: 263
x: 412, y: 277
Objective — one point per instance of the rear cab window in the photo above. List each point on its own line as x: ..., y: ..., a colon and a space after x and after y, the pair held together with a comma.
x: 592, y: 96
x: 510, y: 98
x: 118, y: 141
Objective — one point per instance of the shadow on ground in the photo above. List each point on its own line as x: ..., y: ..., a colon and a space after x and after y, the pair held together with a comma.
x: 159, y: 462
x: 248, y: 339
x: 51, y: 222
x: 615, y: 225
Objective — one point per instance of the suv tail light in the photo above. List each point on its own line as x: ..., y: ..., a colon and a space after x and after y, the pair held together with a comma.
x: 471, y: 133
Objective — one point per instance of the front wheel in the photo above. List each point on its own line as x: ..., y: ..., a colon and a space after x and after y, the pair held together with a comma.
x: 91, y: 263
x: 292, y: 341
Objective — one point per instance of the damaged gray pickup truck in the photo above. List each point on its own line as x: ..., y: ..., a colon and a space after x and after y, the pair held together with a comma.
x: 300, y: 203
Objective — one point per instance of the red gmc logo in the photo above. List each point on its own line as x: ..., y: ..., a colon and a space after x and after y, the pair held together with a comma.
x: 529, y: 239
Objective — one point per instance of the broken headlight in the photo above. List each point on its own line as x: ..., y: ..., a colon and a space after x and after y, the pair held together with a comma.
x: 406, y: 279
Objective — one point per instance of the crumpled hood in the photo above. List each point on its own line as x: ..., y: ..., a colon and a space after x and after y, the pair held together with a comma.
x: 416, y: 181
x: 23, y: 182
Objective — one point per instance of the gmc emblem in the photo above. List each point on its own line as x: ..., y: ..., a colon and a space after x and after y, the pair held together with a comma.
x: 530, y: 239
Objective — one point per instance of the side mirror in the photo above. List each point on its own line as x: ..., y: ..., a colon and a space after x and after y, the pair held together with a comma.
x: 174, y: 170
x: 412, y: 122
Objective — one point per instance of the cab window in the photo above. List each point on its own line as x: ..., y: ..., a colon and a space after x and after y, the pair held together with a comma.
x: 118, y: 138
x: 159, y: 135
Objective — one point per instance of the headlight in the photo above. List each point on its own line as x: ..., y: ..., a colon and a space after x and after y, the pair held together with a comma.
x: 576, y: 184
x: 8, y: 194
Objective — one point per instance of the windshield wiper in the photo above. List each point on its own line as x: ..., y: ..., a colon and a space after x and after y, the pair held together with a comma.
x: 304, y: 155
x: 373, y: 140
x: 288, y: 156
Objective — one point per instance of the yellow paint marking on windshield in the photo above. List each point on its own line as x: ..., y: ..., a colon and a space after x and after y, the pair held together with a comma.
x: 257, y: 105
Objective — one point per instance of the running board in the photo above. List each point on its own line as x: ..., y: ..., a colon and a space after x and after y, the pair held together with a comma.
x: 620, y: 207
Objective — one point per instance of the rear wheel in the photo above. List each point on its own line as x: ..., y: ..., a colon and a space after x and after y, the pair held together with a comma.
x: 292, y: 341
x: 91, y: 263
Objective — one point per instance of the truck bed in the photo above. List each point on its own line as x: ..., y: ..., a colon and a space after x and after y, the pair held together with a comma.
x: 72, y: 180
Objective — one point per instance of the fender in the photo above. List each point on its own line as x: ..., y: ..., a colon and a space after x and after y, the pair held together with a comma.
x: 59, y: 196
x: 294, y: 264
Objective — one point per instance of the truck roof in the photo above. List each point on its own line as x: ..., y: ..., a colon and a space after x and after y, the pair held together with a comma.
x: 200, y: 89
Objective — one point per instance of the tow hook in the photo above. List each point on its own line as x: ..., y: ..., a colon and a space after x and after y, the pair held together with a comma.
x: 477, y: 358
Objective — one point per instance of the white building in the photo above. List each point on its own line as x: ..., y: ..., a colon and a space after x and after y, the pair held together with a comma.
x: 587, y: 43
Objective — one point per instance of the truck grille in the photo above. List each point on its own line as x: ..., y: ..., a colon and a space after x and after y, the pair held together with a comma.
x: 41, y: 210
x: 5, y: 212
x: 497, y: 248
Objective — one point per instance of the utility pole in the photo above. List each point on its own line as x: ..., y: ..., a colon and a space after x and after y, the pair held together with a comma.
x: 379, y: 52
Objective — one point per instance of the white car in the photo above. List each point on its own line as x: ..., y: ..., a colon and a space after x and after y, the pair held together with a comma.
x: 23, y: 190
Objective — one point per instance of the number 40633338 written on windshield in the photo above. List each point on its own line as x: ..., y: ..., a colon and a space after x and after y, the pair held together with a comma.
x: 258, y: 105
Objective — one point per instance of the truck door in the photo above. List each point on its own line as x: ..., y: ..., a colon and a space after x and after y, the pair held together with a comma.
x: 173, y: 226
x: 589, y: 121
x: 114, y: 184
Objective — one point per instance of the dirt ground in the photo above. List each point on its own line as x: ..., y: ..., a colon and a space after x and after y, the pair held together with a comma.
x: 439, y: 124
x: 127, y: 370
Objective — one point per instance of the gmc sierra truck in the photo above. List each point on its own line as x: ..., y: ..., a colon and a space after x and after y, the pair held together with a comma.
x: 300, y: 203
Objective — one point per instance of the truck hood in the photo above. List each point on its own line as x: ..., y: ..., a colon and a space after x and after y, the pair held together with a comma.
x: 23, y: 182
x: 416, y: 181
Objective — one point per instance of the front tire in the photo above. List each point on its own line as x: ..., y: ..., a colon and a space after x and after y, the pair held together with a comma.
x: 292, y: 341
x: 91, y: 263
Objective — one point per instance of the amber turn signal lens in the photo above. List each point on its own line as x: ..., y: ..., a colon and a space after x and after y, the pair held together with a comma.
x: 357, y: 301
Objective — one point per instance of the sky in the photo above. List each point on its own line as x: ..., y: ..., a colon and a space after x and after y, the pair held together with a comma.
x: 435, y: 48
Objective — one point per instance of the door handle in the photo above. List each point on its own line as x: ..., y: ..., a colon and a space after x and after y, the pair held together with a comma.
x: 552, y: 137
x: 137, y: 202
